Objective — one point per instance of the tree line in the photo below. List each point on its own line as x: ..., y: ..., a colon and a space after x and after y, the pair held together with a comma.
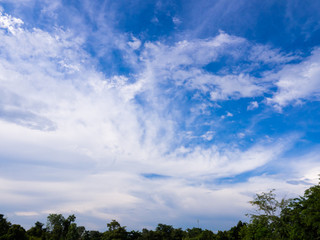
x: 296, y: 219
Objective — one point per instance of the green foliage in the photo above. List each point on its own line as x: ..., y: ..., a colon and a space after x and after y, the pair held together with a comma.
x: 4, y: 225
x: 207, y: 235
x: 222, y: 235
x: 149, y: 235
x: 198, y: 234
x: 268, y: 206
x: 267, y: 222
x: 193, y: 233
x: 235, y: 232
x: 165, y: 231
x: 303, y: 215
x: 55, y: 226
x: 58, y: 227
x: 162, y: 232
x: 297, y: 218
x: 133, y: 235
x: 73, y: 233
x: 93, y: 235
x: 115, y: 231
x: 15, y: 232
x: 37, y: 231
x: 177, y: 234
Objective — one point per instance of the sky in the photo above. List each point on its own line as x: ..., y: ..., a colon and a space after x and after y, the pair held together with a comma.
x: 155, y: 111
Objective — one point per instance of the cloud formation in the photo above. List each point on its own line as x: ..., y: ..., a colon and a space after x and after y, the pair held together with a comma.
x: 87, y: 140
x: 298, y: 82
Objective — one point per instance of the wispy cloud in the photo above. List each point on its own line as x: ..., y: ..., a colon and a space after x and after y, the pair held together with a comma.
x: 253, y: 105
x: 88, y: 138
x: 10, y: 23
x: 298, y: 82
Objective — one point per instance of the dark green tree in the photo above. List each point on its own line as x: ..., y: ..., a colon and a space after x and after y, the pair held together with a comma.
x: 193, y: 233
x: 4, y: 225
x: 73, y: 233
x: 177, y: 234
x: 15, y: 232
x: 207, y: 235
x: 303, y: 215
x: 133, y: 235
x: 58, y: 226
x: 115, y: 231
x: 149, y: 235
x: 67, y: 223
x: 81, y: 232
x: 55, y: 226
x: 222, y: 235
x: 165, y: 231
x: 36, y: 231
x: 92, y: 235
x: 234, y: 232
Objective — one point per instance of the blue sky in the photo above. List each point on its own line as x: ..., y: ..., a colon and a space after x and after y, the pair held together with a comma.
x: 156, y: 111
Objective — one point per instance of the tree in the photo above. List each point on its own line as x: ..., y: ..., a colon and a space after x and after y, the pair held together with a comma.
x: 67, y: 223
x: 222, y: 235
x: 266, y: 223
x: 55, y: 226
x: 58, y: 226
x: 193, y: 233
x: 303, y: 215
x: 267, y: 205
x: 177, y: 234
x: 15, y: 232
x: 234, y: 232
x: 36, y: 231
x: 134, y: 235
x: 81, y: 231
x: 165, y: 231
x: 115, y: 231
x: 73, y: 233
x: 93, y: 235
x: 150, y: 235
x: 4, y: 225
x: 206, y: 235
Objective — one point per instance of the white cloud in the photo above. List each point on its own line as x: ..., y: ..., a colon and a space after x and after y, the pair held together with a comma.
x: 218, y: 162
x: 208, y: 135
x: 50, y: 8
x: 298, y: 82
x: 26, y: 214
x: 197, y: 52
x: 18, y: 1
x: 229, y: 114
x: 182, y: 65
x: 266, y: 54
x: 241, y: 135
x: 135, y: 43
x: 10, y: 23
x: 176, y: 20
x: 252, y: 105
